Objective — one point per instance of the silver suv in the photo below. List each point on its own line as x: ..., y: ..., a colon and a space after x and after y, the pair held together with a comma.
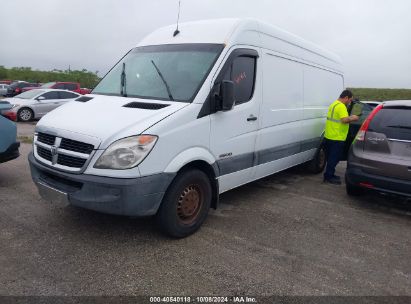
x: 380, y: 156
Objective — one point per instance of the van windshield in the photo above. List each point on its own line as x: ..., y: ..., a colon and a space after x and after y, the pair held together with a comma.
x: 164, y: 72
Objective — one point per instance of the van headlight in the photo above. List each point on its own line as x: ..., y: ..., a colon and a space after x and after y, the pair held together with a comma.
x: 126, y: 153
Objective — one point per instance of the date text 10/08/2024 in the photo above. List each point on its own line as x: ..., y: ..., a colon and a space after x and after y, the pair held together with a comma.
x: 186, y: 299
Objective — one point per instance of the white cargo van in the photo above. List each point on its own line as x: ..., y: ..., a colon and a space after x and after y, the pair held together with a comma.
x: 182, y: 118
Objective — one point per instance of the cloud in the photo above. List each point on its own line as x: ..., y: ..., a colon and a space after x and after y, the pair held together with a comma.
x: 372, y: 36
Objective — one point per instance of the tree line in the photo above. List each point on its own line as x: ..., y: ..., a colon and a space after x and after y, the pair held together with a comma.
x: 381, y: 94
x: 86, y: 78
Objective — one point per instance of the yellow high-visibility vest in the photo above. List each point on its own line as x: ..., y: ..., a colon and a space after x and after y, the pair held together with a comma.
x: 334, y: 128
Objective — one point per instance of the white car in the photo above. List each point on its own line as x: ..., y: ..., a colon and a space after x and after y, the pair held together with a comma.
x: 37, y: 103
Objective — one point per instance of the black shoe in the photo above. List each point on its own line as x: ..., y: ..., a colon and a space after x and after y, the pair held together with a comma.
x: 332, y: 180
x: 337, y: 177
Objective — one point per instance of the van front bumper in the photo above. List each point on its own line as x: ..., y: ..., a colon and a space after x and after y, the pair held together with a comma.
x: 12, y: 152
x: 130, y: 196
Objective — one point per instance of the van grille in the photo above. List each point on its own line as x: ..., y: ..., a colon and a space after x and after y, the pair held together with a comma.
x: 46, y: 138
x: 44, y: 153
x: 76, y: 146
x: 62, y: 153
x: 70, y: 161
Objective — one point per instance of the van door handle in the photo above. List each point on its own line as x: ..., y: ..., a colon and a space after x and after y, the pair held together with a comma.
x: 252, y: 118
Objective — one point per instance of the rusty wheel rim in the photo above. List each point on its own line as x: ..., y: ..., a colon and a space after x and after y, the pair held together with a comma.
x: 189, y: 204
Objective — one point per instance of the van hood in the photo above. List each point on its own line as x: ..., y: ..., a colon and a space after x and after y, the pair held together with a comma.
x: 106, y: 118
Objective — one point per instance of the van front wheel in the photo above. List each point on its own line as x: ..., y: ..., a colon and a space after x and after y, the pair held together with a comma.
x: 185, y: 205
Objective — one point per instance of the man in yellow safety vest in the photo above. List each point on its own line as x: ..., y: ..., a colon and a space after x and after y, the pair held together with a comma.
x: 336, y: 130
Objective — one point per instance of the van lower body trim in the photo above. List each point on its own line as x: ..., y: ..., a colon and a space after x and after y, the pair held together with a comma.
x: 248, y: 160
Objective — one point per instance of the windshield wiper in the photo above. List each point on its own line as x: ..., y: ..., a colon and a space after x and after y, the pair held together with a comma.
x: 123, y: 81
x: 164, y: 81
x: 399, y: 127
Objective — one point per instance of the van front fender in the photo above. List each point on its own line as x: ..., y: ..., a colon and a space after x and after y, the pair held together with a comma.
x: 188, y: 156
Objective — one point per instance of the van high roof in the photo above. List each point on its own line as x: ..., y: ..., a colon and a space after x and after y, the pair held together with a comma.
x: 244, y: 31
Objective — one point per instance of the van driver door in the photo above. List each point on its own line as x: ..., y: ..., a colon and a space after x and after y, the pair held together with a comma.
x: 234, y: 132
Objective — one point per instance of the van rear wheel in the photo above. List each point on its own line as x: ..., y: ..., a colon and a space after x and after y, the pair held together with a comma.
x: 317, y: 164
x: 185, y: 205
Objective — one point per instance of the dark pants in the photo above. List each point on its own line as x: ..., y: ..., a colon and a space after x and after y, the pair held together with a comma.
x: 334, y: 150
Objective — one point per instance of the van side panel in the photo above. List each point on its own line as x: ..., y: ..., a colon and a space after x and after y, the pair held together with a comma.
x: 288, y: 44
x: 281, y: 114
x: 321, y: 88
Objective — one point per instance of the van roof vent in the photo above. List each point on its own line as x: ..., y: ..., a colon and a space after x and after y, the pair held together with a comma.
x: 84, y: 99
x: 145, y: 105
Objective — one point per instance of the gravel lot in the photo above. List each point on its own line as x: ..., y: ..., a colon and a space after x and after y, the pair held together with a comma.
x: 288, y: 234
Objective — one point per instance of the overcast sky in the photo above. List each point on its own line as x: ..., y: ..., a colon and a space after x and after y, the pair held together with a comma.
x: 373, y: 37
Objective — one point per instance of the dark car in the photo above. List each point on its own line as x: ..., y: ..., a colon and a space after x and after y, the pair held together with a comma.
x: 380, y: 156
x: 16, y: 87
x: 362, y: 109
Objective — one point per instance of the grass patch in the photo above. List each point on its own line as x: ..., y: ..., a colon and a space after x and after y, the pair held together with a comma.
x: 381, y: 94
x: 25, y: 139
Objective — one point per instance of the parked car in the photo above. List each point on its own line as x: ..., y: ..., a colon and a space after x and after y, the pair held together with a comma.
x: 16, y: 87
x: 70, y: 86
x: 36, y: 103
x: 3, y: 89
x: 380, y: 157
x: 361, y: 109
x: 180, y: 120
x: 9, y: 146
x: 8, y: 82
x: 372, y: 104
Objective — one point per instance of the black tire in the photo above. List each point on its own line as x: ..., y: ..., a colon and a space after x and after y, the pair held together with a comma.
x: 185, y: 205
x: 25, y: 114
x: 317, y: 164
x: 353, y: 190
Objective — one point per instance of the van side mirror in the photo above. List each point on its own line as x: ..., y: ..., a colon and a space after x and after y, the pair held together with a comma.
x: 227, y: 95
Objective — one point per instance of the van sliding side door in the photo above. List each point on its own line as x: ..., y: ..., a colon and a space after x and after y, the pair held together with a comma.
x: 279, y: 139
